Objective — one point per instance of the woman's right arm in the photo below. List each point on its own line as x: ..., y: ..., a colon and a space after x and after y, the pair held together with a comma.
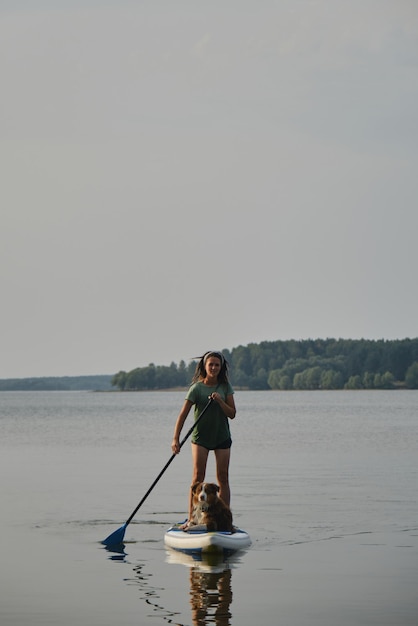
x: 175, y: 445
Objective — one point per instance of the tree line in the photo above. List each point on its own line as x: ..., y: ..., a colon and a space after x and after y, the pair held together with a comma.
x: 293, y: 364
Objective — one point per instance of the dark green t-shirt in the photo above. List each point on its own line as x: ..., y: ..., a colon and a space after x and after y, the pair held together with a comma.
x: 213, y: 428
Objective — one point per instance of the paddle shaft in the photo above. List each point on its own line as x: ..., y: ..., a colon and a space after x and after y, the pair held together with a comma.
x: 170, y: 460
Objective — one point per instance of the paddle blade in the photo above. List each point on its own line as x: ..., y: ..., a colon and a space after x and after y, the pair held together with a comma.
x: 115, y: 538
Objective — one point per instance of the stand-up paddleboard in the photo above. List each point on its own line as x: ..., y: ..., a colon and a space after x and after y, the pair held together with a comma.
x: 202, y: 541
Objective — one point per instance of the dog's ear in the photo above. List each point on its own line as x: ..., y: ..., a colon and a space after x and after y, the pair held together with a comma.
x: 195, y: 486
x: 218, y: 489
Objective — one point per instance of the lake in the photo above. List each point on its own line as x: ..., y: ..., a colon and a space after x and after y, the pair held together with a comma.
x: 325, y: 482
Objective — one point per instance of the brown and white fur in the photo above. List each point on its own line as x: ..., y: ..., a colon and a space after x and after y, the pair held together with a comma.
x: 209, y: 509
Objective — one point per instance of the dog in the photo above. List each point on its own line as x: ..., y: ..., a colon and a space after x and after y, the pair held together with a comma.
x: 209, y: 509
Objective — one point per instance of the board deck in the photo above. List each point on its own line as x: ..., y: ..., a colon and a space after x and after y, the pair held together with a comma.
x: 203, y: 541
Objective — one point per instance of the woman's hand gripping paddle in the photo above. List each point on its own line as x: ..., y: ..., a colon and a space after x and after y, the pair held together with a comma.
x: 118, y: 535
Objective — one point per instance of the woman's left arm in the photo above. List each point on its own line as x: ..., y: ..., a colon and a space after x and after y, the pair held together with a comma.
x: 227, y: 406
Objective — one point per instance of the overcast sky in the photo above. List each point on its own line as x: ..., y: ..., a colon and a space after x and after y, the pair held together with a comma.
x: 179, y: 176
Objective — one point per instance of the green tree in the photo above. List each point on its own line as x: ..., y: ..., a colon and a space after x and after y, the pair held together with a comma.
x: 400, y: 357
x: 330, y: 379
x: 313, y: 377
x: 182, y: 373
x: 119, y: 380
x: 368, y: 380
x: 377, y: 381
x: 309, y: 378
x: 299, y: 380
x: 241, y: 379
x: 241, y: 360
x: 411, y: 377
x: 273, y: 379
x: 285, y: 383
x: 354, y: 382
x: 388, y: 380
x: 260, y: 380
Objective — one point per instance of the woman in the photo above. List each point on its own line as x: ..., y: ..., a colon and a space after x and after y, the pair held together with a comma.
x: 210, y: 380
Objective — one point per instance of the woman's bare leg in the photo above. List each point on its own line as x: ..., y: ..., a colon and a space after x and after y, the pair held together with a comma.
x: 222, y: 474
x: 200, y: 459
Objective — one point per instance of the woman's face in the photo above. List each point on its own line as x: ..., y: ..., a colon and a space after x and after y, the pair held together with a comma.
x: 213, y: 366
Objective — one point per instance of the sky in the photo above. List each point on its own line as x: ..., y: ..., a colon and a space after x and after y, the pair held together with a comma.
x: 186, y: 176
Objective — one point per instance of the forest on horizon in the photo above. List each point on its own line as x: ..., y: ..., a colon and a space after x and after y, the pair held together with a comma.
x: 297, y: 364
x: 277, y: 365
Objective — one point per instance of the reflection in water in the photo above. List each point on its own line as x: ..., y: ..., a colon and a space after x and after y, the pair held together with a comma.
x: 117, y: 552
x: 142, y: 580
x: 210, y: 577
x: 210, y: 587
x: 210, y: 597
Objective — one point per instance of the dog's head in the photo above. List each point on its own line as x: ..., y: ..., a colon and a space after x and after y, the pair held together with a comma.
x: 205, y: 492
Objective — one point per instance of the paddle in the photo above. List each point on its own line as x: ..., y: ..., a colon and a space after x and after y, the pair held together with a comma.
x: 117, y: 536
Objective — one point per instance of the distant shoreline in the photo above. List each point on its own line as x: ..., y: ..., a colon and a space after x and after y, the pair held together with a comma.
x: 100, y: 382
x: 168, y: 389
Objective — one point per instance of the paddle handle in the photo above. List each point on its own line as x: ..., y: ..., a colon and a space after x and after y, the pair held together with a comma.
x: 170, y: 460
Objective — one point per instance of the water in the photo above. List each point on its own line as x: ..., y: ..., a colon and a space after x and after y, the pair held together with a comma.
x: 324, y: 482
